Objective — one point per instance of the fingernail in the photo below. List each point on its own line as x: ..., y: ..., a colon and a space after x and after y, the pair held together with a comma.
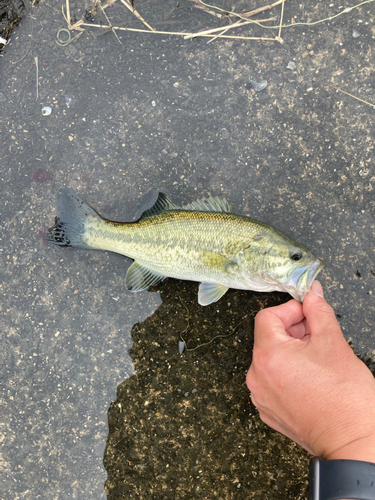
x: 317, y: 289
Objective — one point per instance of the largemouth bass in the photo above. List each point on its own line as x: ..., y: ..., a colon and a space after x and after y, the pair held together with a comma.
x: 203, y: 241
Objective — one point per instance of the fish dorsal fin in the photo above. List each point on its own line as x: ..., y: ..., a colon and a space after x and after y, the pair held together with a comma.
x: 161, y: 204
x: 211, y: 204
x: 139, y: 278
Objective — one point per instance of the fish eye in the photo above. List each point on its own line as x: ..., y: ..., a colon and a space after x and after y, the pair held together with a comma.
x: 296, y: 256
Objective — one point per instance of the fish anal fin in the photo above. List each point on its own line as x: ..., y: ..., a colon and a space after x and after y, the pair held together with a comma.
x: 210, y: 292
x: 139, y: 278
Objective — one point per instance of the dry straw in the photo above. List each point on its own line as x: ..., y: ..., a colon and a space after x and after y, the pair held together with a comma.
x: 212, y: 34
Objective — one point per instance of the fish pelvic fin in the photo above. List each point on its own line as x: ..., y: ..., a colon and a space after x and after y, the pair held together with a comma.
x: 139, y: 278
x: 69, y: 227
x: 210, y: 292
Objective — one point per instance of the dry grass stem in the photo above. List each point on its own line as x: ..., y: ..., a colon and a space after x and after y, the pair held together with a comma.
x: 244, y: 15
x: 136, y: 13
x: 198, y: 5
x: 67, y: 18
x: 37, y: 77
x: 262, y: 9
x: 344, y: 92
x: 105, y: 15
x: 210, y: 33
x: 241, y: 21
x: 281, y: 22
x: 238, y: 23
x: 179, y: 33
x: 67, y: 13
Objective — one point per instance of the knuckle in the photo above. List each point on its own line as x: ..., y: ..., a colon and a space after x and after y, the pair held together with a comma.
x: 261, y: 358
x: 326, y: 309
x: 263, y: 361
x: 262, y: 315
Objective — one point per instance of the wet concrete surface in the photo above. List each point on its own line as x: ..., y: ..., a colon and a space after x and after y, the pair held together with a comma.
x: 163, y: 113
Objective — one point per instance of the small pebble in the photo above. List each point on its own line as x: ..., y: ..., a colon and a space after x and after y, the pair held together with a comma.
x: 46, y: 111
x: 181, y: 346
x: 252, y: 84
x: 355, y: 34
x: 258, y: 87
x: 292, y: 65
x: 153, y: 103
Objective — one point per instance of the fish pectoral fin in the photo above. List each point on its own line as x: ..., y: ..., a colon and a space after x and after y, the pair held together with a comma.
x: 139, y: 278
x: 218, y: 262
x: 210, y: 292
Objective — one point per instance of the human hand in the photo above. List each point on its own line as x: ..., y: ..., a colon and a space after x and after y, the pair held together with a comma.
x: 308, y: 384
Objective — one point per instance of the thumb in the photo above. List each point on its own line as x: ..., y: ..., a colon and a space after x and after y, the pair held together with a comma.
x: 319, y: 314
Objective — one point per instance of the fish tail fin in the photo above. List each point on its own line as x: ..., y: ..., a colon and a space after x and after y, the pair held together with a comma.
x: 71, y: 221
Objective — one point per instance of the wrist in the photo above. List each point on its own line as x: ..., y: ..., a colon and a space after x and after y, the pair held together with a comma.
x: 359, y: 449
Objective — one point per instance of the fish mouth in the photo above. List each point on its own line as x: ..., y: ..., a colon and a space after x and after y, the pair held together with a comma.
x: 302, y: 278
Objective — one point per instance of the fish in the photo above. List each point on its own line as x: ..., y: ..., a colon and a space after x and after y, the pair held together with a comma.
x: 202, y: 241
